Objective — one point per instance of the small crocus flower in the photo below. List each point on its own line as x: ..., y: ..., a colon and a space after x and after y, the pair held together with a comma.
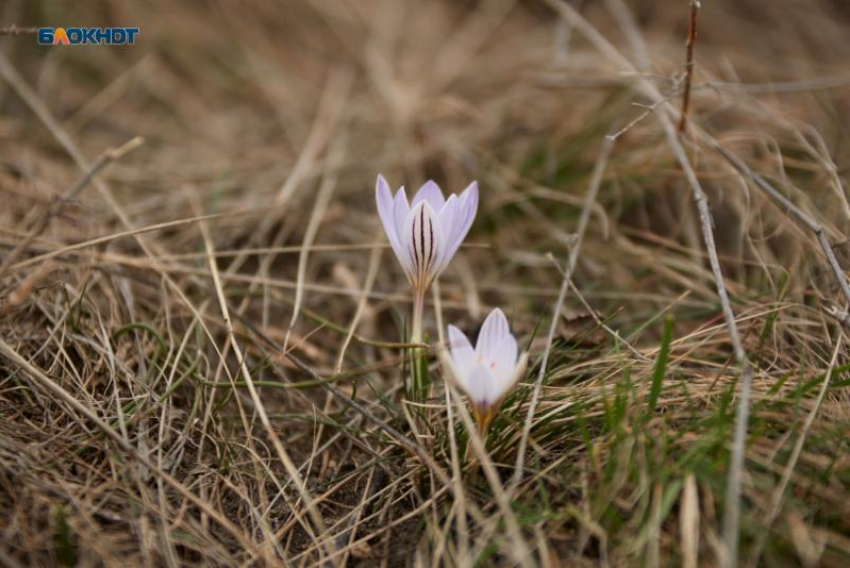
x: 488, y: 372
x: 426, y: 233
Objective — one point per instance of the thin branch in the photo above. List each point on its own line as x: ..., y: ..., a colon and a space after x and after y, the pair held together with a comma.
x: 59, y: 203
x: 610, y: 51
x: 732, y: 516
x: 689, y: 64
x: 649, y: 110
x: 802, y: 217
x: 732, y: 512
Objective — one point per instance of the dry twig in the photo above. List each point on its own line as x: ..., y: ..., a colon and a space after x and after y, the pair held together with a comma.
x: 689, y: 64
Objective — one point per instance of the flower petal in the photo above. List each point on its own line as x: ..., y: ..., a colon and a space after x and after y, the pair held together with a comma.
x: 448, y: 213
x: 519, y: 372
x: 480, y: 387
x: 431, y: 193
x: 447, y: 218
x: 421, y: 239
x: 494, y: 329
x: 400, y: 211
x: 503, y: 364
x: 465, y: 215
x: 463, y: 355
x: 384, y: 198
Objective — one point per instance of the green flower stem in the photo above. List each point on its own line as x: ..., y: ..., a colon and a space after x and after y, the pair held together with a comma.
x: 419, y: 363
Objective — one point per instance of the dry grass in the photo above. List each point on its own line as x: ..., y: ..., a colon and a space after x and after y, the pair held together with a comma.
x: 150, y: 414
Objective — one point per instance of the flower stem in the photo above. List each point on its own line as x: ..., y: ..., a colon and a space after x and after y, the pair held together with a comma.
x: 418, y: 309
x: 419, y: 363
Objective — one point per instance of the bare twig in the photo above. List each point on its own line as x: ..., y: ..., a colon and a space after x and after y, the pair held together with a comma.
x: 609, y: 50
x: 732, y: 515
x: 802, y: 217
x: 649, y: 109
x: 59, y: 203
x: 590, y: 199
x: 689, y: 64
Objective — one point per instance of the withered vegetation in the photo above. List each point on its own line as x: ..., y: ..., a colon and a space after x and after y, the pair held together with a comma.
x: 202, y: 333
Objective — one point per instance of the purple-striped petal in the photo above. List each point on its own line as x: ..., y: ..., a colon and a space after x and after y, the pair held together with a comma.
x: 425, y: 233
x: 421, y: 238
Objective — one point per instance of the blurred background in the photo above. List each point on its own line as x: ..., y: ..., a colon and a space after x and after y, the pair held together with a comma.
x: 246, y: 104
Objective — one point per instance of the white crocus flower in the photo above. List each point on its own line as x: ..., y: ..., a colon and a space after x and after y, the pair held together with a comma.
x: 488, y: 372
x: 426, y: 233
